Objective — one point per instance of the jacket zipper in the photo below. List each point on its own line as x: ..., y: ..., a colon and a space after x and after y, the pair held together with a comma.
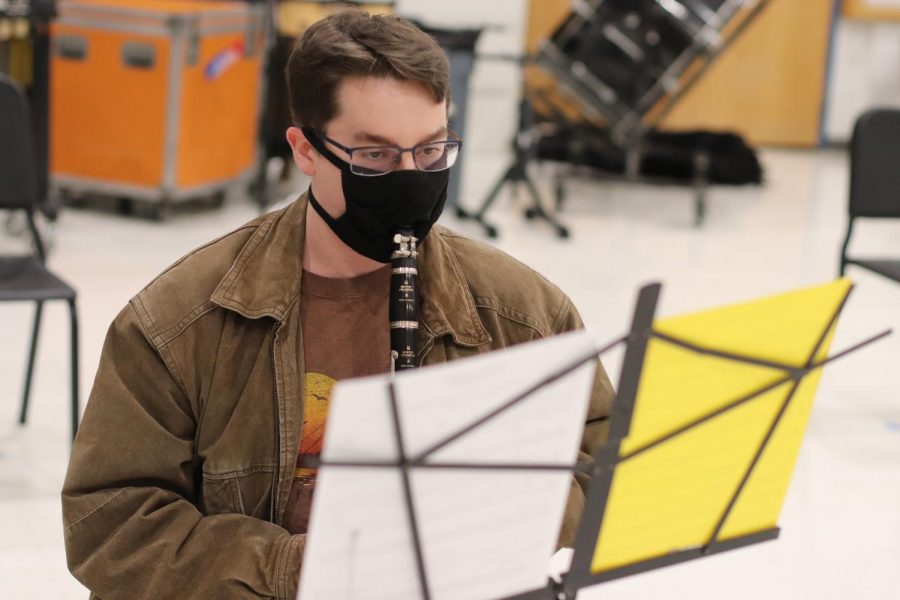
x: 425, y: 350
x: 277, y: 432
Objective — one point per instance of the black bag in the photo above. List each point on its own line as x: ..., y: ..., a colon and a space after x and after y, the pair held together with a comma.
x: 663, y: 154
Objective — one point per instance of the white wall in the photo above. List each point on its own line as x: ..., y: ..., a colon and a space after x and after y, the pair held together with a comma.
x: 494, y: 85
x: 865, y: 74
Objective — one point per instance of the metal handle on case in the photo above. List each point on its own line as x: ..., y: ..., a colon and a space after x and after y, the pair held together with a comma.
x: 138, y: 55
x: 71, y: 47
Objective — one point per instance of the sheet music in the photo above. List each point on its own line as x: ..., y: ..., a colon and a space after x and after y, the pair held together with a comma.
x: 485, y: 533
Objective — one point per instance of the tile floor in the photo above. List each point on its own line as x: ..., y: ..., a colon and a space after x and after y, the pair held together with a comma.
x: 841, y: 522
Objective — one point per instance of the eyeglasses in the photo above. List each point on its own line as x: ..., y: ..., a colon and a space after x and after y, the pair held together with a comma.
x: 372, y: 161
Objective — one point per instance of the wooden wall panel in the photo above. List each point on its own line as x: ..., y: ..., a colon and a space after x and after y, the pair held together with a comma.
x: 543, y: 18
x: 867, y: 10
x: 770, y: 84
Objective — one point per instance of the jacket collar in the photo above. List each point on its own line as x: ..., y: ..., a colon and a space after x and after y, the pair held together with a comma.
x: 446, y: 303
x: 264, y: 279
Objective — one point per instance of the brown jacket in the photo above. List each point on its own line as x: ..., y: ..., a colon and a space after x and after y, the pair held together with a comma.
x: 182, y: 467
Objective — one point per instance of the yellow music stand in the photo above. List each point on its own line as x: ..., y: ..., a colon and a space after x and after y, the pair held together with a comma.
x: 709, y: 416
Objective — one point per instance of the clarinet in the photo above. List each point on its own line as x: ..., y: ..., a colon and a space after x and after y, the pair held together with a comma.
x: 404, y: 302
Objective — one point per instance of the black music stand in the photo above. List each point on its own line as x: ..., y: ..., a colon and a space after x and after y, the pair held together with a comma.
x: 609, y: 456
x: 629, y: 97
x: 516, y: 174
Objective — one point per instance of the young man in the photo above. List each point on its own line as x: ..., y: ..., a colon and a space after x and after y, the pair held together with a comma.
x: 184, y: 480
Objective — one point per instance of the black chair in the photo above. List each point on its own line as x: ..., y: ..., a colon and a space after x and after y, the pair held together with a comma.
x: 26, y: 278
x: 874, y: 181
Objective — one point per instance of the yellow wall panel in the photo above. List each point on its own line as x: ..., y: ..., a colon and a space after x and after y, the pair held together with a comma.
x: 769, y: 85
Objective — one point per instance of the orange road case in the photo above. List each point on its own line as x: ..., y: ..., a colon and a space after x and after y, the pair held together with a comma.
x: 154, y: 100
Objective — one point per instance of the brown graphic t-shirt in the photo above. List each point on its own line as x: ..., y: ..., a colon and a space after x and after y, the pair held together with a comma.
x: 345, y: 334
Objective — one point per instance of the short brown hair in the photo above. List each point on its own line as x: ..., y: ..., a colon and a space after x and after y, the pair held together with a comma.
x: 353, y: 43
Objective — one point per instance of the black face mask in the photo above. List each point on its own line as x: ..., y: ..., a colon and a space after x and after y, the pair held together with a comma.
x: 379, y: 207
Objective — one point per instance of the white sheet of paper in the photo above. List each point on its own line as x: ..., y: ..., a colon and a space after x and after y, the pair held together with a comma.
x: 485, y: 533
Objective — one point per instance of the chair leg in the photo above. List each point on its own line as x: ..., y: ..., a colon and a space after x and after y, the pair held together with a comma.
x: 844, y: 247
x: 73, y: 314
x: 29, y: 372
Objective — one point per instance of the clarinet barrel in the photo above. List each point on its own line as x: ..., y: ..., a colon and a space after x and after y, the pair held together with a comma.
x: 404, y: 302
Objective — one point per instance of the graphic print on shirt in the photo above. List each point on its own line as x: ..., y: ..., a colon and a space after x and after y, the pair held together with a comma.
x: 345, y: 334
x: 315, y: 413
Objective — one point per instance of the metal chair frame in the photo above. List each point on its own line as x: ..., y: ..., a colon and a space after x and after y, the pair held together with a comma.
x: 26, y: 277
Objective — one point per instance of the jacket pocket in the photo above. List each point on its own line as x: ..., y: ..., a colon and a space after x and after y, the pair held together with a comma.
x: 246, y: 492
x: 221, y: 496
